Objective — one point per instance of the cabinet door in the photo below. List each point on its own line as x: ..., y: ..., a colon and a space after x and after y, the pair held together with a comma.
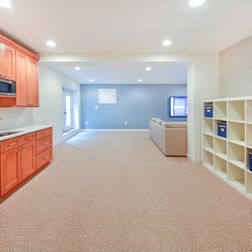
x: 21, y: 80
x: 28, y: 162
x: 10, y: 170
x: 32, y: 82
x: 7, y: 62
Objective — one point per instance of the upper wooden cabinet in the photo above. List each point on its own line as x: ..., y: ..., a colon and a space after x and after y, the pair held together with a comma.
x: 32, y: 82
x: 7, y: 62
x: 27, y: 81
x: 20, y: 65
x: 21, y: 62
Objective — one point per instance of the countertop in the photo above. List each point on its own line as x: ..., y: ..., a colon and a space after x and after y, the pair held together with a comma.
x: 23, y: 131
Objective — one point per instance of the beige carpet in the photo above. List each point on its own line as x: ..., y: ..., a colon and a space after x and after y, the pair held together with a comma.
x: 116, y: 192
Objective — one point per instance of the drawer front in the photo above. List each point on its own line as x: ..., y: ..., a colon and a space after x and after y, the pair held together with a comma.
x: 44, y: 133
x: 27, y: 138
x: 44, y: 144
x: 44, y: 158
x: 10, y: 144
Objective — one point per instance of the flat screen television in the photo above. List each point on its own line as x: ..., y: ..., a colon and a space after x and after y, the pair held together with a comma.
x: 178, y: 106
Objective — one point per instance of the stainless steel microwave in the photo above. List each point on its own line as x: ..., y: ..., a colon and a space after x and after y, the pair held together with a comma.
x: 7, y: 87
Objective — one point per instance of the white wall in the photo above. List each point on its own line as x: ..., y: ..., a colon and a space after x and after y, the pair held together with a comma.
x: 203, y: 83
x: 236, y: 70
x: 51, y: 106
x: 15, y: 117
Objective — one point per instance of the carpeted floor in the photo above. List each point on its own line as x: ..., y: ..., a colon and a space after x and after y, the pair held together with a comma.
x: 116, y: 192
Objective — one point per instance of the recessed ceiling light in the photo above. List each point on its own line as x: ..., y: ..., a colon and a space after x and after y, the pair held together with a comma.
x: 140, y: 80
x: 5, y: 4
x: 77, y: 68
x: 91, y: 80
x: 167, y: 42
x: 196, y: 3
x: 51, y: 43
x: 148, y: 68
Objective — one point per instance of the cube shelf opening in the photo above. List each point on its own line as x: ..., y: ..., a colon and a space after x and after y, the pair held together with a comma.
x: 220, y: 110
x: 249, y: 159
x: 249, y: 135
x: 236, y: 110
x: 220, y: 147
x: 236, y: 174
x: 208, y: 109
x: 208, y: 126
x: 217, y: 131
x: 208, y: 142
x: 236, y: 155
x: 220, y: 164
x: 248, y: 182
x: 236, y: 132
x: 207, y: 159
x: 249, y: 111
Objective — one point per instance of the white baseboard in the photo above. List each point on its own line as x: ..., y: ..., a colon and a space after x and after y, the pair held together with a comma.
x: 193, y: 159
x: 115, y: 130
x: 70, y: 134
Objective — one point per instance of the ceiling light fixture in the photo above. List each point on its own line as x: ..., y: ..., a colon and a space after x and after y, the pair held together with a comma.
x: 5, y: 4
x: 140, y: 80
x: 77, y: 68
x: 196, y: 3
x: 91, y: 80
x: 167, y: 42
x: 148, y: 68
x: 51, y: 43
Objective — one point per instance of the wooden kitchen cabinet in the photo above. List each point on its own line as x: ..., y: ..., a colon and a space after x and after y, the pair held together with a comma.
x: 20, y: 65
x: 21, y: 157
x: 32, y: 83
x: 27, y: 81
x: 7, y: 61
x: 43, y: 147
x: 21, y: 74
x: 10, y: 170
x: 27, y: 160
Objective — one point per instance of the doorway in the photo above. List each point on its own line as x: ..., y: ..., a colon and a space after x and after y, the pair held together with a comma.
x: 68, y: 111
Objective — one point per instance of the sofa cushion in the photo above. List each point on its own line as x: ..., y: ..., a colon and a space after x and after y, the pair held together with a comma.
x: 177, y: 125
x: 157, y: 120
x: 165, y: 124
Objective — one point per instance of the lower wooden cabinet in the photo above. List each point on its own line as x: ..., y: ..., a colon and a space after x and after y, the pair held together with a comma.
x: 20, y: 157
x: 28, y: 160
x: 10, y: 170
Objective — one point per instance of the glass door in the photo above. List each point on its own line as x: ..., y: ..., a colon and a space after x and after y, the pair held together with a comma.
x: 68, y: 110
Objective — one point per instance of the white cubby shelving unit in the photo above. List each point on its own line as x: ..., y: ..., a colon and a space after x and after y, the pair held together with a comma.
x: 228, y: 157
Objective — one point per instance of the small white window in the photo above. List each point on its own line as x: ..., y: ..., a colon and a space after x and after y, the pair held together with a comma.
x: 107, y: 96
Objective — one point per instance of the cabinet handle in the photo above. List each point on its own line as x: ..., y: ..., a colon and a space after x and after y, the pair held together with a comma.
x: 29, y: 138
x: 46, y: 143
x: 12, y: 144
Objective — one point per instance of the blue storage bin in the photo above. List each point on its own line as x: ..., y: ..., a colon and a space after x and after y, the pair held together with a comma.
x: 209, y: 111
x: 250, y: 161
x: 222, y: 129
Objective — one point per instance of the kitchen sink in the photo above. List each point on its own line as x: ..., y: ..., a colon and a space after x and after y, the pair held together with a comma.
x: 9, y: 133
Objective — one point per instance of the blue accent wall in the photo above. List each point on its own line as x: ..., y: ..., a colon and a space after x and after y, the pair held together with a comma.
x: 136, y: 104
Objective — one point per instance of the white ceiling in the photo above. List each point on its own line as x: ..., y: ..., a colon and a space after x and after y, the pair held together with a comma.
x: 96, y: 27
x: 123, y: 73
x: 127, y: 26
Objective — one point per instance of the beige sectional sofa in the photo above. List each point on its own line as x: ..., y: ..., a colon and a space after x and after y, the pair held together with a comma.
x: 170, y: 137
